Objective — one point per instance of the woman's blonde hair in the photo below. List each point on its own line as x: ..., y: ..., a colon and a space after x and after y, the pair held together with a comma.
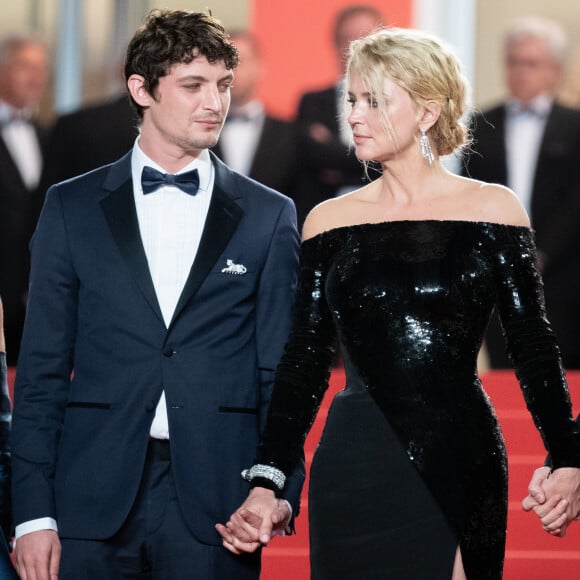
x: 424, y: 67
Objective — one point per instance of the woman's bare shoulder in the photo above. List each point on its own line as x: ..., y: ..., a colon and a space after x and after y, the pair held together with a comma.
x: 496, y: 203
x: 331, y: 214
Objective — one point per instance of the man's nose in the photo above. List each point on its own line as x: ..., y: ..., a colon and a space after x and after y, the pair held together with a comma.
x: 213, y: 99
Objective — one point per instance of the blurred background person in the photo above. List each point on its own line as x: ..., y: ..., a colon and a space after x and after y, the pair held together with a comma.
x: 531, y: 143
x: 23, y: 81
x: 253, y: 142
x: 7, y: 571
x: 89, y: 137
x: 328, y: 165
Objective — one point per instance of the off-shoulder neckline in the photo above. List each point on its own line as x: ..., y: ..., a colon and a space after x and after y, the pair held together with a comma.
x: 423, y: 221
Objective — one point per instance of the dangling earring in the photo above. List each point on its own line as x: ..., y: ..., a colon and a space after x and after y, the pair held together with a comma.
x: 426, y: 150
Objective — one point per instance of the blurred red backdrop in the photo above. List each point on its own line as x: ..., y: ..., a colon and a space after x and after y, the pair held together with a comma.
x: 296, y: 38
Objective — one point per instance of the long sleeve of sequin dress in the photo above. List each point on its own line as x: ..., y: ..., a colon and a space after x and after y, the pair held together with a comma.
x: 411, y: 464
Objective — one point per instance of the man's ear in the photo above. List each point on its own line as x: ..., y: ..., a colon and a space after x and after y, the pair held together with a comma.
x: 430, y: 113
x: 136, y: 86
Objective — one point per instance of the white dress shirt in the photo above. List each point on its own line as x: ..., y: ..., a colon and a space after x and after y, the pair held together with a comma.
x: 524, y: 131
x: 240, y: 136
x: 170, y: 223
x: 22, y: 143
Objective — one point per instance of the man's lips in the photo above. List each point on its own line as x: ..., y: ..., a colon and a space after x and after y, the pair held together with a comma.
x: 210, y: 122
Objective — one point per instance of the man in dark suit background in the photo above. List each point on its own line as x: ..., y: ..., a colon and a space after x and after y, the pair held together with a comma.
x: 90, y: 137
x: 23, y: 80
x: 159, y: 304
x: 327, y: 164
x: 252, y: 141
x: 531, y: 143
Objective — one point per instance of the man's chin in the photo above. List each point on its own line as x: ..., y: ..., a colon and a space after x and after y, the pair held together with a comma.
x: 206, y: 142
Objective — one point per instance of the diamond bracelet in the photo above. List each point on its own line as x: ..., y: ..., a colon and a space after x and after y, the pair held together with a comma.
x: 274, y: 475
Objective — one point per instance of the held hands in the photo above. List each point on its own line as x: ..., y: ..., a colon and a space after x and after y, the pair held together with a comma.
x: 554, y: 498
x: 255, y: 522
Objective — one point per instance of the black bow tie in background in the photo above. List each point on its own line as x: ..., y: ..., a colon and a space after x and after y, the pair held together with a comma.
x: 151, y: 180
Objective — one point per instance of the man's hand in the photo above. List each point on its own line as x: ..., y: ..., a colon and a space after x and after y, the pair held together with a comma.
x: 554, y: 498
x: 255, y: 522
x: 37, y: 555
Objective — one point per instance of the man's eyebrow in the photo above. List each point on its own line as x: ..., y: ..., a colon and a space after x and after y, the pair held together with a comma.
x: 202, y: 79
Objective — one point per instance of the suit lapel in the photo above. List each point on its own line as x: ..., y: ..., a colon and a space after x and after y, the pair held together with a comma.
x: 222, y: 220
x: 550, y: 146
x: 260, y: 163
x: 121, y: 215
x: 502, y: 152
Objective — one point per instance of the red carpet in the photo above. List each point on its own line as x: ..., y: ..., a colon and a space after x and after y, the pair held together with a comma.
x: 531, y: 554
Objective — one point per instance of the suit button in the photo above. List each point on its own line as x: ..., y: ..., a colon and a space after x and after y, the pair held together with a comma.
x: 168, y: 352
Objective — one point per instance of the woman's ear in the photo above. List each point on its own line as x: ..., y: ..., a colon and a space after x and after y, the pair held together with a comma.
x: 430, y: 113
x: 136, y: 86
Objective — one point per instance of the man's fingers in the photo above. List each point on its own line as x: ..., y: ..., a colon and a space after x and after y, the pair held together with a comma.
x: 557, y: 529
x: 232, y: 543
x: 553, y: 525
x: 251, y: 518
x: 55, y: 562
x: 223, y: 532
x: 552, y: 509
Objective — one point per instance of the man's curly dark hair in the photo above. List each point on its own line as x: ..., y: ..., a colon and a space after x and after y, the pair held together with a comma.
x: 169, y: 37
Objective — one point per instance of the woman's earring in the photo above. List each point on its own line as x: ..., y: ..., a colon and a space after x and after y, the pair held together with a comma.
x: 426, y: 150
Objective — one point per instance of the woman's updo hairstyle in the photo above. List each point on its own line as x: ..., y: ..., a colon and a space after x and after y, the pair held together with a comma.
x: 424, y: 67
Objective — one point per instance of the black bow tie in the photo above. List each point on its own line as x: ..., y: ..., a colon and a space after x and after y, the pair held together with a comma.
x: 151, y: 180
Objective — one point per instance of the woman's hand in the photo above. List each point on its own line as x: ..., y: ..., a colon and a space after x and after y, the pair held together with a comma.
x: 261, y: 517
x: 554, y: 498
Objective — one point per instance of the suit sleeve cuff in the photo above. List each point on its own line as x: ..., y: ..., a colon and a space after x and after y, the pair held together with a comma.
x: 35, y: 526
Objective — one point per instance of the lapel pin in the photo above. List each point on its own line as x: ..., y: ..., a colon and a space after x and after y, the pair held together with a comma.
x: 233, y: 268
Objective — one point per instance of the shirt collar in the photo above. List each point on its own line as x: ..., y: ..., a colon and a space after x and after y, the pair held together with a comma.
x: 202, y: 163
x: 250, y: 111
x: 540, y: 105
x: 9, y: 113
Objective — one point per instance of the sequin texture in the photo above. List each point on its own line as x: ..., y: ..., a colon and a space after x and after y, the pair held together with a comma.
x: 408, y: 302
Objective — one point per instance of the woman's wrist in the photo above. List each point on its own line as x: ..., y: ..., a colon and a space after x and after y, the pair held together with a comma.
x: 266, y: 476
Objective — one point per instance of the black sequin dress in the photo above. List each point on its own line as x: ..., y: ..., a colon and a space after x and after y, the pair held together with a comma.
x: 412, y: 462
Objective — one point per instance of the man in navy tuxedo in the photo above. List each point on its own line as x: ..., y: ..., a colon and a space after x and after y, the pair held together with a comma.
x: 159, y: 304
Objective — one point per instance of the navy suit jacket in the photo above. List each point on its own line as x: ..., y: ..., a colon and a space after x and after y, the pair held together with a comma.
x: 96, y: 354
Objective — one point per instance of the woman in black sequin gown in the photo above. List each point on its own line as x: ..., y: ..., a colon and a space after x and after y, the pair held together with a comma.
x: 409, y: 480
